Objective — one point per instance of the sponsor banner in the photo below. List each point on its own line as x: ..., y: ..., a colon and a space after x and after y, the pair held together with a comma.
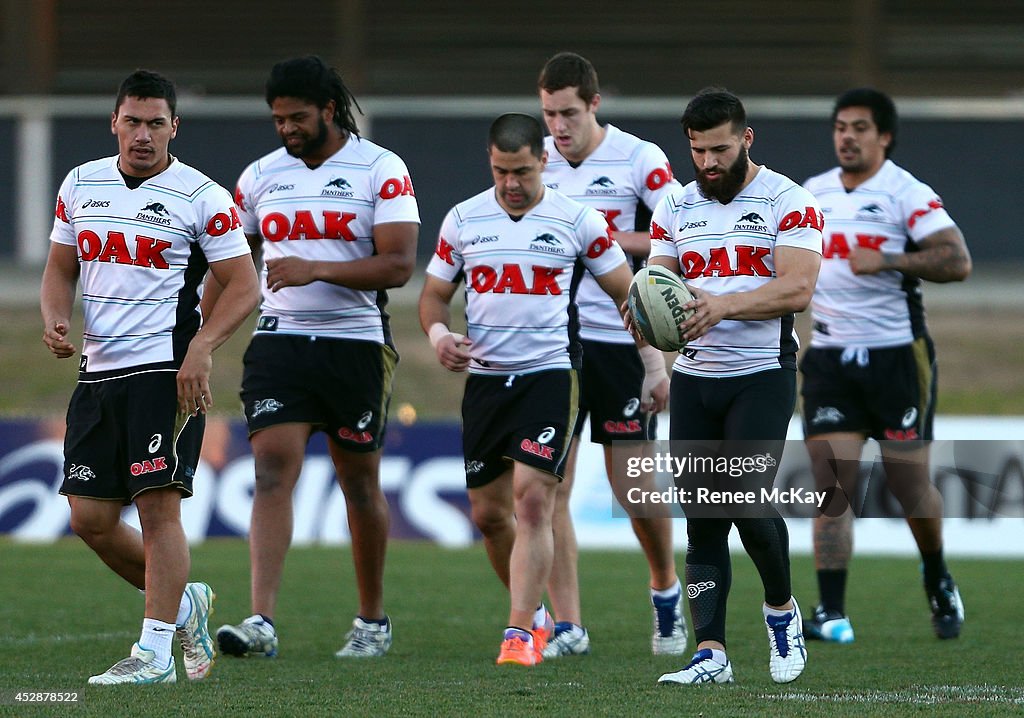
x: 422, y: 475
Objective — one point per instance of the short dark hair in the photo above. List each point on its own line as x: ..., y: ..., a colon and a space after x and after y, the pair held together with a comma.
x: 146, y: 83
x: 567, y: 69
x: 711, y: 107
x: 515, y: 130
x: 311, y: 79
x: 883, y: 110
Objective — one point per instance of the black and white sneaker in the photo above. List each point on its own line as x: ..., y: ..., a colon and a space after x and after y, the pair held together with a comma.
x: 947, y: 609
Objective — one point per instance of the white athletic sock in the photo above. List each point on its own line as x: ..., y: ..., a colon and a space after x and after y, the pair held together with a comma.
x: 157, y: 637
x: 539, y: 616
x: 775, y: 611
x: 718, y: 657
x: 670, y: 592
x: 184, y: 608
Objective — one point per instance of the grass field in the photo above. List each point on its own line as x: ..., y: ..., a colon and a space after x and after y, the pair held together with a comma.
x: 64, y: 616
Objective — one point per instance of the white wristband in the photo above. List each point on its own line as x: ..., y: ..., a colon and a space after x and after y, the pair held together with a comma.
x: 437, y: 331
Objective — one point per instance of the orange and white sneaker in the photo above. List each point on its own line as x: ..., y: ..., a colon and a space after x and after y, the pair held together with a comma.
x: 518, y: 648
x: 543, y: 631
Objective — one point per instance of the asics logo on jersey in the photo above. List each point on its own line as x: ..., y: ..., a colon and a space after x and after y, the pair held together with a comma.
x: 265, y: 406
x: 96, y: 203
x: 284, y: 187
x: 552, y: 185
x: 277, y: 226
x: 80, y: 472
x: 483, y: 239
x: 511, y: 280
x: 695, y: 589
x: 743, y: 260
x: 147, y: 252
x: 694, y: 225
x: 602, y: 182
x: 147, y: 467
x: 547, y: 243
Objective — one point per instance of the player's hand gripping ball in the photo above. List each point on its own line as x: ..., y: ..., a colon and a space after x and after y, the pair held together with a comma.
x: 656, y: 299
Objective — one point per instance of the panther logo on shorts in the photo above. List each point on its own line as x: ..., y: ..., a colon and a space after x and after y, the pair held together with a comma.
x: 80, y: 472
x: 265, y: 406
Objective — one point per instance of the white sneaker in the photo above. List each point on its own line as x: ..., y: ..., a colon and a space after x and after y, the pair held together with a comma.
x: 251, y: 637
x: 366, y: 639
x: 569, y: 640
x: 670, y: 631
x: 787, y: 653
x: 702, y: 668
x: 196, y: 642
x: 137, y: 668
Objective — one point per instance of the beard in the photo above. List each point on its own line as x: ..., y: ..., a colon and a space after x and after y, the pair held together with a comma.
x: 311, y: 145
x: 728, y: 184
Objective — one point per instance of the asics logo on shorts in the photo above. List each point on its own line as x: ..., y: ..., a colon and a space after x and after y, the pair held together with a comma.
x: 154, y: 443
x: 364, y: 420
x: 695, y: 589
x: 80, y: 472
x: 547, y: 435
x: 265, y: 406
x: 909, y: 417
x: 631, y: 407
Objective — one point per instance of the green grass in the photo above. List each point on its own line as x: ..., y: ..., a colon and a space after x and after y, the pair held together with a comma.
x: 64, y: 616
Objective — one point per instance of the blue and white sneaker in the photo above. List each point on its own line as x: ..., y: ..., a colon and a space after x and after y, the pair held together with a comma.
x: 569, y: 640
x: 139, y: 668
x: 196, y: 642
x: 251, y: 637
x: 828, y: 626
x: 787, y: 653
x: 947, y: 609
x: 670, y: 631
x: 702, y: 668
x: 367, y: 639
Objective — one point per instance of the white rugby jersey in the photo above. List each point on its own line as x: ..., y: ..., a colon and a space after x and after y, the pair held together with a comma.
x: 620, y: 174
x: 143, y: 254
x: 726, y: 248
x: 325, y: 214
x: 521, y: 277
x: 890, y: 212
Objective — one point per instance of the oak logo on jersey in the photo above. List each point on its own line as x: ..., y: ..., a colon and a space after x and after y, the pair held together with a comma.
x: 223, y: 222
x: 148, y: 466
x: 61, y: 212
x: 358, y: 436
x: 601, y: 186
x: 660, y: 233
x: 155, y: 213
x: 838, y: 246
x: 511, y: 279
x: 277, y: 226
x: 444, y: 251
x: 397, y: 187
x: 809, y: 217
x: 337, y: 187
x: 147, y: 252
x: 539, y: 447
x: 90, y: 203
x: 547, y: 242
x: 659, y: 178
x: 610, y: 215
x: 629, y: 426
x: 751, y: 222
x: 933, y: 204
x: 743, y: 260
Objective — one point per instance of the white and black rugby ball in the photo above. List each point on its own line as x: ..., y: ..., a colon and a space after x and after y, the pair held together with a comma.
x: 656, y: 299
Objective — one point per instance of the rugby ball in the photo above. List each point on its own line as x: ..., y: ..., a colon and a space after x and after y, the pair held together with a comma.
x: 656, y: 299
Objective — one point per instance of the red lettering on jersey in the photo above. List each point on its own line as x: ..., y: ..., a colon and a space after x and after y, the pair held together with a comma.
x: 360, y: 437
x: 221, y: 222
x: 545, y: 281
x: 304, y: 226
x: 275, y: 226
x: 600, y: 245
x: 718, y: 263
x: 917, y: 214
x: 535, y: 448
x: 149, y: 252
x: 336, y: 225
x: 89, y: 245
x: 839, y: 247
x: 239, y: 198
x: 609, y: 217
x: 750, y: 261
x: 444, y: 251
x: 901, y: 434
x: 632, y: 426
x: 659, y: 177
x: 115, y: 249
x: 659, y: 232
x: 511, y: 281
x: 147, y: 466
x: 691, y: 265
x: 482, y: 279
x: 870, y: 241
x: 394, y: 187
x: 62, y: 211
x: 810, y: 217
